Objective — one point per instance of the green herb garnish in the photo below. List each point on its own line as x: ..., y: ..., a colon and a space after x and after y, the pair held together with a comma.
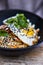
x: 10, y: 21
x: 3, y: 33
x: 19, y: 21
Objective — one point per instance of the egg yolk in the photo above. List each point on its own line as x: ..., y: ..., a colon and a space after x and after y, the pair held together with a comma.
x: 24, y: 31
x: 29, y: 32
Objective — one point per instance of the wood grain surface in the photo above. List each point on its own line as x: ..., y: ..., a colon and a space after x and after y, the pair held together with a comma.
x: 34, y: 57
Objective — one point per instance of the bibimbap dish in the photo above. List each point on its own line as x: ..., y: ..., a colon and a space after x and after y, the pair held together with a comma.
x: 18, y: 32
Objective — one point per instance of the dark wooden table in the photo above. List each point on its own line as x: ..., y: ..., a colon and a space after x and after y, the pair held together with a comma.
x: 34, y: 57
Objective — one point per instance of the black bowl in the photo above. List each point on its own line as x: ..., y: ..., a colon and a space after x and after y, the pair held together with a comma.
x: 33, y: 18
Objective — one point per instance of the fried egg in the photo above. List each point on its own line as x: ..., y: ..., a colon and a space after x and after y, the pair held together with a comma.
x: 27, y: 36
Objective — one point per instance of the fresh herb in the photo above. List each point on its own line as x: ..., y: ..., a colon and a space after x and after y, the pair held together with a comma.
x: 22, y: 21
x: 3, y: 33
x: 10, y: 21
x: 19, y: 21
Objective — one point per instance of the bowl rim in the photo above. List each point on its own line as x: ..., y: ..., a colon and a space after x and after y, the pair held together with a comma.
x: 3, y: 48
x: 22, y: 11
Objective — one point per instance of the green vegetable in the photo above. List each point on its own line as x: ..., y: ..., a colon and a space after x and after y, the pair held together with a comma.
x: 10, y: 21
x: 22, y: 21
x: 19, y: 21
x: 3, y: 33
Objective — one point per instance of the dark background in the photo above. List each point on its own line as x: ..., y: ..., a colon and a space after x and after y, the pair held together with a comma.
x: 35, y: 6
